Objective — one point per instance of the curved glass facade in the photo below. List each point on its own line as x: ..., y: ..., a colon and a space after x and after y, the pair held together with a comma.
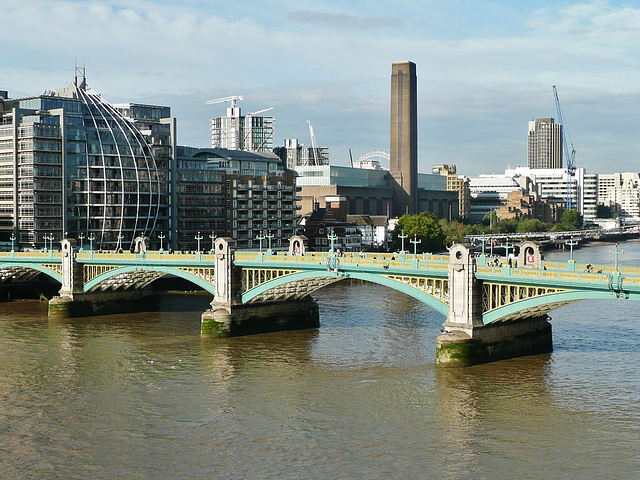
x: 81, y: 167
x: 117, y: 185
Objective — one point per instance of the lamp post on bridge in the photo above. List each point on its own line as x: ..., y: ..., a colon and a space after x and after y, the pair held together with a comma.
x: 616, y: 252
x: 50, y: 238
x: 483, y: 256
x: 415, y: 242
x: 91, y: 238
x: 81, y: 238
x: 507, y: 247
x: 571, y: 244
x: 402, y: 236
x: 161, y: 236
x: 198, y: 237
x: 119, y: 244
x: 13, y: 239
x: 269, y: 237
x: 332, y: 238
x: 260, y: 238
x: 212, y: 236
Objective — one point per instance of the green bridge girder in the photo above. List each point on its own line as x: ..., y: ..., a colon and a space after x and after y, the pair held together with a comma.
x: 373, y: 277
x: 569, y: 279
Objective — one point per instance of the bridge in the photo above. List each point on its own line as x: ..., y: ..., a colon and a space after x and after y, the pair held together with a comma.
x: 557, y: 237
x: 493, y: 308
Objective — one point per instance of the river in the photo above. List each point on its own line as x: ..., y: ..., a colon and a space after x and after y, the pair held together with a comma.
x: 143, y: 396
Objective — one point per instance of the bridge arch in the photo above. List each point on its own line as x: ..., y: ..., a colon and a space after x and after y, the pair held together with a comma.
x: 540, y: 305
x: 33, y: 266
x: 150, y: 270
x: 379, y: 279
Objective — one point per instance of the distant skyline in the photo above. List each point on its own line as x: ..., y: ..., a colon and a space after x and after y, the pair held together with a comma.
x: 485, y: 68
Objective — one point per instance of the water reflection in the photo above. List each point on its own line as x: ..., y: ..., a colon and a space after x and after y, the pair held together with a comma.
x: 144, y: 396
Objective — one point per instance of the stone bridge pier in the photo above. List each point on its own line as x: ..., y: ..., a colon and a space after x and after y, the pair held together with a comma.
x: 466, y: 340
x: 228, y: 316
x: 72, y: 301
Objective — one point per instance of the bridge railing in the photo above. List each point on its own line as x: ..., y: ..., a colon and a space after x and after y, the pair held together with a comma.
x: 602, y: 275
x: 34, y: 255
x: 350, y: 259
x: 174, y: 257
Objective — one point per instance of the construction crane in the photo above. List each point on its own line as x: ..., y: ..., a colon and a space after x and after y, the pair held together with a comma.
x: 314, y: 145
x: 260, y: 111
x: 233, y: 99
x: 569, y: 155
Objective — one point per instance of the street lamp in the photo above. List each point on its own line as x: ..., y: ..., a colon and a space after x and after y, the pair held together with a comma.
x: 571, y: 244
x: 260, y: 238
x: 332, y: 237
x: 119, y: 246
x: 213, y: 238
x: 402, y: 236
x: 50, y: 238
x: 198, y: 237
x: 507, y: 247
x: 483, y: 240
x: 81, y: 238
x: 161, y: 236
x: 269, y: 237
x: 415, y: 244
x: 91, y: 238
x: 616, y: 252
x: 13, y: 239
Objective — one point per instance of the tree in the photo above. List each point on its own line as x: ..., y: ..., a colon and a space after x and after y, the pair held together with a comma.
x: 531, y: 225
x: 602, y: 211
x: 571, y: 220
x: 425, y: 227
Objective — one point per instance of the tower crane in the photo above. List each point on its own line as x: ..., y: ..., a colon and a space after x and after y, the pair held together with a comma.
x: 232, y: 99
x: 314, y: 145
x: 260, y: 111
x: 570, y: 155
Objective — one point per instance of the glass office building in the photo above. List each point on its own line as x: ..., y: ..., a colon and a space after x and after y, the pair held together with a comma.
x: 73, y: 165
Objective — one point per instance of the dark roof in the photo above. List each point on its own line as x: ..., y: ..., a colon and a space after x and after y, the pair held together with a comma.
x: 227, y: 154
x: 375, y: 220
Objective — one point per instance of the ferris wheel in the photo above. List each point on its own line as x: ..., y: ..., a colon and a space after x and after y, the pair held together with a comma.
x: 373, y: 156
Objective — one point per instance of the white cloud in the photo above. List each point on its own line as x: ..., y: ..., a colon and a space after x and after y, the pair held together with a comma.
x: 329, y: 63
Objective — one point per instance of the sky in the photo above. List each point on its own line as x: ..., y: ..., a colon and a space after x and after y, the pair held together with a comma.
x: 485, y: 69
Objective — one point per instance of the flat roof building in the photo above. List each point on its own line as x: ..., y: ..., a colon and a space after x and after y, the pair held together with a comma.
x: 544, y: 144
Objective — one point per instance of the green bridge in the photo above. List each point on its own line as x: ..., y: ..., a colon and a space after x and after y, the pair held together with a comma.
x: 494, y: 308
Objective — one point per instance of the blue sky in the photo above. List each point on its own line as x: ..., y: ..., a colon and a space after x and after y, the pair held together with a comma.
x: 485, y: 68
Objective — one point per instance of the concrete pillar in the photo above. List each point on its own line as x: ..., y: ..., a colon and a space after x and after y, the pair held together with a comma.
x: 70, y: 301
x: 71, y: 270
x: 466, y: 340
x: 465, y: 292
x: 229, y: 317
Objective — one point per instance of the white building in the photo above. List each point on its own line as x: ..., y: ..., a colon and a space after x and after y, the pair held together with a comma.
x: 373, y: 228
x: 551, y: 184
x: 620, y: 192
x: 236, y: 132
x: 489, y: 192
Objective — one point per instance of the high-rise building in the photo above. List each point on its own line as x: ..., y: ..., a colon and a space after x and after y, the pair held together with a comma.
x: 544, y: 144
x: 234, y: 193
x: 237, y: 132
x: 71, y: 164
x: 404, y: 137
